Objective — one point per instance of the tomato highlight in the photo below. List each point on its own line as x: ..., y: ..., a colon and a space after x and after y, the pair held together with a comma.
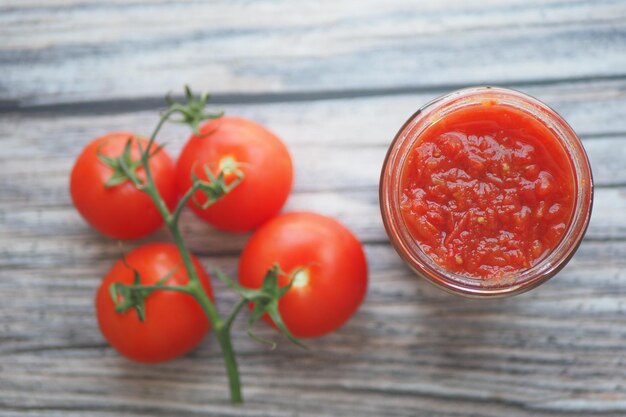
x: 325, y: 261
x: 175, y: 322
x: 156, y: 303
x: 230, y: 143
x: 120, y: 211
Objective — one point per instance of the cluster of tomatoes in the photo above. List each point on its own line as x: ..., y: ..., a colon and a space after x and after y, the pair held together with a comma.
x: 324, y: 259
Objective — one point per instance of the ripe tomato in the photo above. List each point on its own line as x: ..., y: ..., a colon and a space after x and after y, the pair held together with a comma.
x: 260, y: 155
x: 174, y: 322
x: 120, y: 211
x: 329, y: 266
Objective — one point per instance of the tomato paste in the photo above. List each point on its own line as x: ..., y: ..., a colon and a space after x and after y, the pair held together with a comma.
x: 487, y: 190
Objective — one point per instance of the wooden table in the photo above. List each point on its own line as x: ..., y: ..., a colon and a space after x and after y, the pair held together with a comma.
x: 335, y: 81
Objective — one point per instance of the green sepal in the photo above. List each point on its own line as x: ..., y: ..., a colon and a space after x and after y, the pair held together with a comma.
x: 265, y: 301
x: 122, y: 166
x: 215, y: 187
x: 107, y: 160
x: 246, y: 293
x: 133, y: 296
x: 192, y: 113
x: 115, y: 179
x: 126, y: 297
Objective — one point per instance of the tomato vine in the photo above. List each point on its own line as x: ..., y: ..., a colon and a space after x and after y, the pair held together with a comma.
x: 127, y: 297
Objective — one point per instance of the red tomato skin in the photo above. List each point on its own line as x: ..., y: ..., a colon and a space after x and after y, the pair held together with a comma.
x: 122, y: 211
x: 337, y: 270
x: 265, y: 162
x: 174, y: 323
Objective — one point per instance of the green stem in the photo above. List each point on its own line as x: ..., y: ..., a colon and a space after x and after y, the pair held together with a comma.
x: 193, y: 287
x: 183, y: 201
x: 154, y: 194
x: 178, y: 288
x: 222, y: 331
x: 233, y: 314
x: 225, y: 341
x: 194, y: 282
x: 158, y: 127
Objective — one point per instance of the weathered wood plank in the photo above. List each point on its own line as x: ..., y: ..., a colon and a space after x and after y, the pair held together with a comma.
x: 31, y: 236
x: 333, y: 174
x: 76, y: 50
x: 556, y: 351
x: 319, y: 168
x: 592, y: 108
x: 323, y: 136
x: 410, y: 350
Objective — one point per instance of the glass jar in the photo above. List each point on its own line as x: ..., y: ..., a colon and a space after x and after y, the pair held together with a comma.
x: 409, y: 249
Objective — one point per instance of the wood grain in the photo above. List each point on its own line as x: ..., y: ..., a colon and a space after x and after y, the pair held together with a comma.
x: 77, y: 50
x: 410, y: 350
x: 335, y: 81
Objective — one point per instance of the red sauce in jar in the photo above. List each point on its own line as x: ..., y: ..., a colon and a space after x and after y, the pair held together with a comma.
x: 488, y: 190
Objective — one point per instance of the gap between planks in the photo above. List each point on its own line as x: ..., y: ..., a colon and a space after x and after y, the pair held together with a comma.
x: 123, y: 105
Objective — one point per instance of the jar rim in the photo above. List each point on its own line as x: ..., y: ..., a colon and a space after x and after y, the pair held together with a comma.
x: 423, y: 264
